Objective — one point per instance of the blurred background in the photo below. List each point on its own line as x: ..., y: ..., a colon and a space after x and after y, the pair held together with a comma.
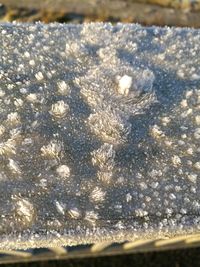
x: 183, y: 13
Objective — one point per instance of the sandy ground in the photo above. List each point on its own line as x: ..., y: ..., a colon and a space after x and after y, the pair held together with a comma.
x: 77, y: 11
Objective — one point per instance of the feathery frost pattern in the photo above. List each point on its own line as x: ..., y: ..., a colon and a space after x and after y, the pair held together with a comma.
x: 99, y: 133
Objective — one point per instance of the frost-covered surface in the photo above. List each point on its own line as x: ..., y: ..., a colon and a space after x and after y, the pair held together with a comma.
x: 99, y: 133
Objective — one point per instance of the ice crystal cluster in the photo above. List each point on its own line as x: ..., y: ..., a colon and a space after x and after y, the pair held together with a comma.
x: 99, y: 133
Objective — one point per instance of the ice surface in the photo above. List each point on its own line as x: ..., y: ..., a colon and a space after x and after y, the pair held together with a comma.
x: 99, y: 133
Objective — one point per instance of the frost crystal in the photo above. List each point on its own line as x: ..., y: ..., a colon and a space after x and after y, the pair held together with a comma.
x: 63, y: 88
x: 24, y: 211
x: 125, y: 83
x: 99, y: 133
x: 104, y: 157
x: 110, y: 126
x: 39, y: 76
x: 63, y: 171
x: 59, y: 109
x: 52, y: 150
x: 14, y: 167
x: 60, y: 207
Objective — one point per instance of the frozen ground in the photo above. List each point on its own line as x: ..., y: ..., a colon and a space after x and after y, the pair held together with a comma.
x: 99, y: 134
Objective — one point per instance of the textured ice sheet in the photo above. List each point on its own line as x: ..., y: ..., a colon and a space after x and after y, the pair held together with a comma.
x: 99, y: 133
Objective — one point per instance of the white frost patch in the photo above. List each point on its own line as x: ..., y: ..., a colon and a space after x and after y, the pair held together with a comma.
x: 176, y: 160
x: 141, y: 213
x: 172, y: 196
x: 104, y: 157
x: 192, y: 177
x: 24, y: 209
x: 18, y: 102
x: 180, y: 73
x: 39, y: 76
x: 197, y: 120
x: 120, y: 225
x: 2, y: 130
x: 60, y: 207
x: 59, y: 109
x: 27, y: 54
x: 195, y: 76
x: 23, y: 91
x: 32, y: 62
x: 74, y: 213
x: 143, y: 185
x: 110, y: 126
x: 197, y: 165
x: 7, y: 148
x: 63, y: 171
x: 104, y: 176
x: 197, y: 134
x: 14, y: 166
x: 184, y: 103
x: 63, y: 88
x: 124, y: 84
x: 190, y: 151
x: 15, y: 134
x: 156, y: 132
x: 53, y: 149
x: 165, y: 120
x: 188, y: 94
x: 10, y: 86
x: 187, y: 113
x: 32, y: 98
x: 2, y: 93
x: 97, y: 195
x: 91, y: 217
x: 13, y: 118
x: 128, y: 197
